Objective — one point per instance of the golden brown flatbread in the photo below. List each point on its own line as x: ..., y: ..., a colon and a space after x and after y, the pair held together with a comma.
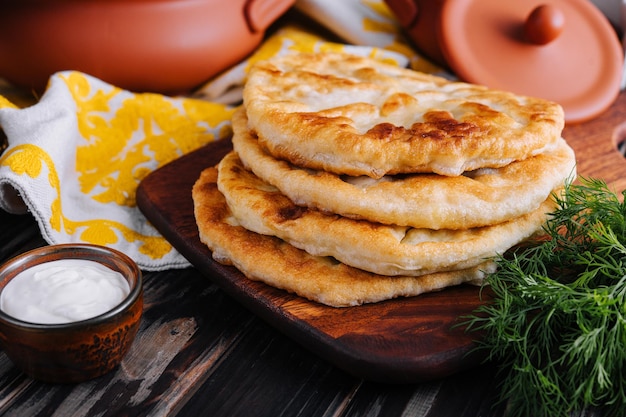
x: 478, y: 198
x: 374, y: 247
x: 279, y: 264
x: 353, y: 115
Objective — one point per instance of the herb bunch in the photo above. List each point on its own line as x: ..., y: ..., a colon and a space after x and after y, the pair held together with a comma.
x: 557, y: 319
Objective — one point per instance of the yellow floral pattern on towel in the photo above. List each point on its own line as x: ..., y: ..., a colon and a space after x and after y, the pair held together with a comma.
x: 123, y: 141
x: 118, y: 139
x: 30, y: 160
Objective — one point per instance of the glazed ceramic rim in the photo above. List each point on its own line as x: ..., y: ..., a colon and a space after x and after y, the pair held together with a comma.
x: 98, y: 254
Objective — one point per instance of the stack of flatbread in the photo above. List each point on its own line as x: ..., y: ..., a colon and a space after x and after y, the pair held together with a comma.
x: 354, y: 181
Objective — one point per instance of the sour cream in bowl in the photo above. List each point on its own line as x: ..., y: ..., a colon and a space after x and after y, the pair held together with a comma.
x: 63, y: 291
x: 69, y: 313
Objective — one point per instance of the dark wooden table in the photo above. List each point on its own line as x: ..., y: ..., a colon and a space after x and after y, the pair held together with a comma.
x: 200, y: 353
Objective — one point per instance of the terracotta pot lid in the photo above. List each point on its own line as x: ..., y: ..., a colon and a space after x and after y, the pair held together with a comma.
x: 568, y: 52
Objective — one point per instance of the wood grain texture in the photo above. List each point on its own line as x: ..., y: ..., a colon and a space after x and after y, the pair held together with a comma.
x: 595, y: 143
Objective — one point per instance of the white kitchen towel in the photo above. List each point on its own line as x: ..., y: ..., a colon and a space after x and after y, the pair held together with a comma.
x: 75, y: 159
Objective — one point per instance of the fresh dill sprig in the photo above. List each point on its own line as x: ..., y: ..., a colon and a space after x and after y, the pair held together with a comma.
x: 557, y: 319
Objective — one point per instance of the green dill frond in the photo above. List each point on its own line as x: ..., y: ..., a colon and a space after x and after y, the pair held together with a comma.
x: 557, y: 319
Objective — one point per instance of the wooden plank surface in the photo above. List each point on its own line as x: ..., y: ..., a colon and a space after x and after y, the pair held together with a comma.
x: 596, y: 145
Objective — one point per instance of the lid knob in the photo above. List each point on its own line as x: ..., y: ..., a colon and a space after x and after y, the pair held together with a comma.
x: 544, y: 24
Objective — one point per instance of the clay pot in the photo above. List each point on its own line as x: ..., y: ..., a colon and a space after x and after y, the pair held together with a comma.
x: 165, y: 46
x: 76, y: 351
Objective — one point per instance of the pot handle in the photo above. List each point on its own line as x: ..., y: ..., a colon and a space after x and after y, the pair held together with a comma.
x: 260, y: 14
x: 406, y: 11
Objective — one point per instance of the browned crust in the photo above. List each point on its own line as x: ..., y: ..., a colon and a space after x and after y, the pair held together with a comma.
x: 382, y: 249
x: 283, y: 266
x: 424, y: 200
x: 358, y: 116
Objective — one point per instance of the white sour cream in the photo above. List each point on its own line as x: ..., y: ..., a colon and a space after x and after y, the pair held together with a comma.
x: 63, y: 291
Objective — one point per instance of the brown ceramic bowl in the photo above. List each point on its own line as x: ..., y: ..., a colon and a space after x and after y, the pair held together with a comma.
x: 165, y: 46
x: 80, y: 350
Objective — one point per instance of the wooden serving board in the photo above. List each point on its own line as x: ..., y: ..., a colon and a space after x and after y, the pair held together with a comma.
x: 399, y: 341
